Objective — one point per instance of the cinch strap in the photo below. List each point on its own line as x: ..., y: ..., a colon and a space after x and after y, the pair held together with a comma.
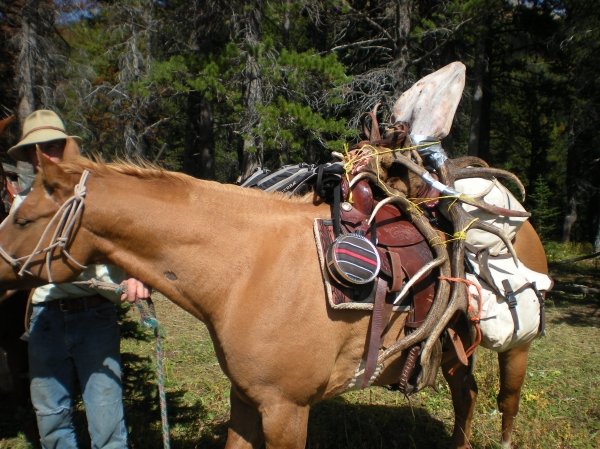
x: 511, y: 299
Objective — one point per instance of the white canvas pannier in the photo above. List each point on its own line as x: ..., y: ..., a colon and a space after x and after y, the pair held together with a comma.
x: 492, y: 192
x: 511, y: 302
x: 511, y: 309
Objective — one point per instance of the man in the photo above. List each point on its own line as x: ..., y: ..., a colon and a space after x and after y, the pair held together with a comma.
x: 74, y: 332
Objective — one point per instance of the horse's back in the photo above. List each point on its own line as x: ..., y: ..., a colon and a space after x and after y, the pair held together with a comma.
x: 530, y: 250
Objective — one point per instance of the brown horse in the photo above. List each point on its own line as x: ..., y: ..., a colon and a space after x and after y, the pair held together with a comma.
x: 245, y: 263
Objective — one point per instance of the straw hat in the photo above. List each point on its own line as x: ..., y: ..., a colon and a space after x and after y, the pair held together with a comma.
x: 39, y: 126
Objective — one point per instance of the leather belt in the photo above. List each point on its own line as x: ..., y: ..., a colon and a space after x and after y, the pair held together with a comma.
x: 70, y: 305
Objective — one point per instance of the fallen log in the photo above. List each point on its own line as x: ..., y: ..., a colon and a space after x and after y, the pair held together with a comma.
x: 577, y: 259
x: 575, y: 288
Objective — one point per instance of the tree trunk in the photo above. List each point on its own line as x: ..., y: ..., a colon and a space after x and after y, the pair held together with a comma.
x: 572, y: 182
x: 479, y: 135
x: 401, y: 55
x: 134, y: 65
x: 570, y: 219
x: 10, y: 29
x: 25, y: 72
x: 252, y: 151
x: 199, y: 155
x: 595, y: 207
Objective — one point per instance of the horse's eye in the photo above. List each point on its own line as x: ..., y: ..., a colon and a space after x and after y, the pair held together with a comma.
x: 20, y: 221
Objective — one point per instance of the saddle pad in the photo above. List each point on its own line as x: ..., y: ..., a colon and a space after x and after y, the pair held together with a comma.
x: 359, y: 297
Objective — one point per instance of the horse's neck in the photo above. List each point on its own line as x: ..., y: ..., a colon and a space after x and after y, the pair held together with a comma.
x: 183, y: 240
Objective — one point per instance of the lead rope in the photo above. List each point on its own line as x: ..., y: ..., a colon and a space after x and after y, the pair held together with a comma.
x: 148, y: 319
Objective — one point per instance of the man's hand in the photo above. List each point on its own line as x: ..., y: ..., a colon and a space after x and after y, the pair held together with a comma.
x: 134, y: 290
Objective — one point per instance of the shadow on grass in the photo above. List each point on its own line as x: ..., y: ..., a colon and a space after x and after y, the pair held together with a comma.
x: 17, y: 418
x: 333, y: 424
x: 338, y: 424
x: 574, y: 307
x: 142, y: 404
x: 575, y: 313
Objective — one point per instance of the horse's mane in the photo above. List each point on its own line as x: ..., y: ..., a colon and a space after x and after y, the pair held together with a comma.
x: 139, y: 168
x: 142, y: 169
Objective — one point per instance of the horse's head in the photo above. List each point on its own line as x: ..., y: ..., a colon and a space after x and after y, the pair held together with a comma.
x: 37, y: 239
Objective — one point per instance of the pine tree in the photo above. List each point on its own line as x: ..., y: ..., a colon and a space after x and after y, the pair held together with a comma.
x: 544, y: 213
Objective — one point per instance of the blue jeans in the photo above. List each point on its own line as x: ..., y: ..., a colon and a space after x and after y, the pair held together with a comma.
x: 66, y: 349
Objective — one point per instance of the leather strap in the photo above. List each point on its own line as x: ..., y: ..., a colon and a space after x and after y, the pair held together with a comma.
x: 540, y: 297
x: 375, y: 330
x: 71, y: 305
x: 511, y: 300
x: 397, y: 272
x: 459, y: 349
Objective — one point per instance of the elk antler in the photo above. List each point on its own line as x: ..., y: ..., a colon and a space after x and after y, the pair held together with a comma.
x: 441, y: 261
x: 462, y: 220
x: 474, y: 167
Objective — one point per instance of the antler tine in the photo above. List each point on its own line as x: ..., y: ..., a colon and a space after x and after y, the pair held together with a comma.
x: 442, y: 260
x: 447, y: 173
x: 458, y: 296
x: 465, y: 161
x: 493, y: 230
x: 462, y: 220
x: 496, y: 210
x: 471, y: 166
x: 458, y: 302
x: 488, y: 172
x: 362, y: 175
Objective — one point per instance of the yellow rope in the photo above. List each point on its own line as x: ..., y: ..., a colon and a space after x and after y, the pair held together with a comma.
x: 367, y: 151
x: 437, y: 240
x: 458, y: 235
x: 462, y: 234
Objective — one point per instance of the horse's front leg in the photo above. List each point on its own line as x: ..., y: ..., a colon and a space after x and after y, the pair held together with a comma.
x: 284, y: 424
x: 276, y: 423
x: 513, y: 364
x: 245, y: 428
x: 464, y: 396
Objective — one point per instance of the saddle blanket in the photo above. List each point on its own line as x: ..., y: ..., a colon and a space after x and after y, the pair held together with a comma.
x: 359, y: 297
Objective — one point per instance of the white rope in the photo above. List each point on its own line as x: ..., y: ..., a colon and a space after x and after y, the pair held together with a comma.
x: 64, y: 220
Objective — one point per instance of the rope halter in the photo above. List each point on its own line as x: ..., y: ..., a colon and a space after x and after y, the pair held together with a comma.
x: 64, y: 223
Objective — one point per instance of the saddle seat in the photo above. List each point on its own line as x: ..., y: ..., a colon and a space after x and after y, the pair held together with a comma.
x: 401, y: 246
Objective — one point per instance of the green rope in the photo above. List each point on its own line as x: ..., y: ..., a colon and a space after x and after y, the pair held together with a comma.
x: 148, y: 319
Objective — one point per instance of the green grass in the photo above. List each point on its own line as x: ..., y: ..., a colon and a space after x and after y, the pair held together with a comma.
x: 559, y: 406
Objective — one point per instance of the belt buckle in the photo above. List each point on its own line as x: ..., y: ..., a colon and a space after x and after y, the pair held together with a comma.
x: 63, y: 305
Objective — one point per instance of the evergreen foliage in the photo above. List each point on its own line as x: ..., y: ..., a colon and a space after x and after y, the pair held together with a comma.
x: 170, y: 81
x: 543, y: 210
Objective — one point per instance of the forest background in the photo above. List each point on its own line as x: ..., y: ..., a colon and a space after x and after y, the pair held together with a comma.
x: 217, y: 88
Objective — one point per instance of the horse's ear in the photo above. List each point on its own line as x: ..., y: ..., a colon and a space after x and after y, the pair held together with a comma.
x: 5, y: 122
x: 72, y: 150
x: 56, y: 181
